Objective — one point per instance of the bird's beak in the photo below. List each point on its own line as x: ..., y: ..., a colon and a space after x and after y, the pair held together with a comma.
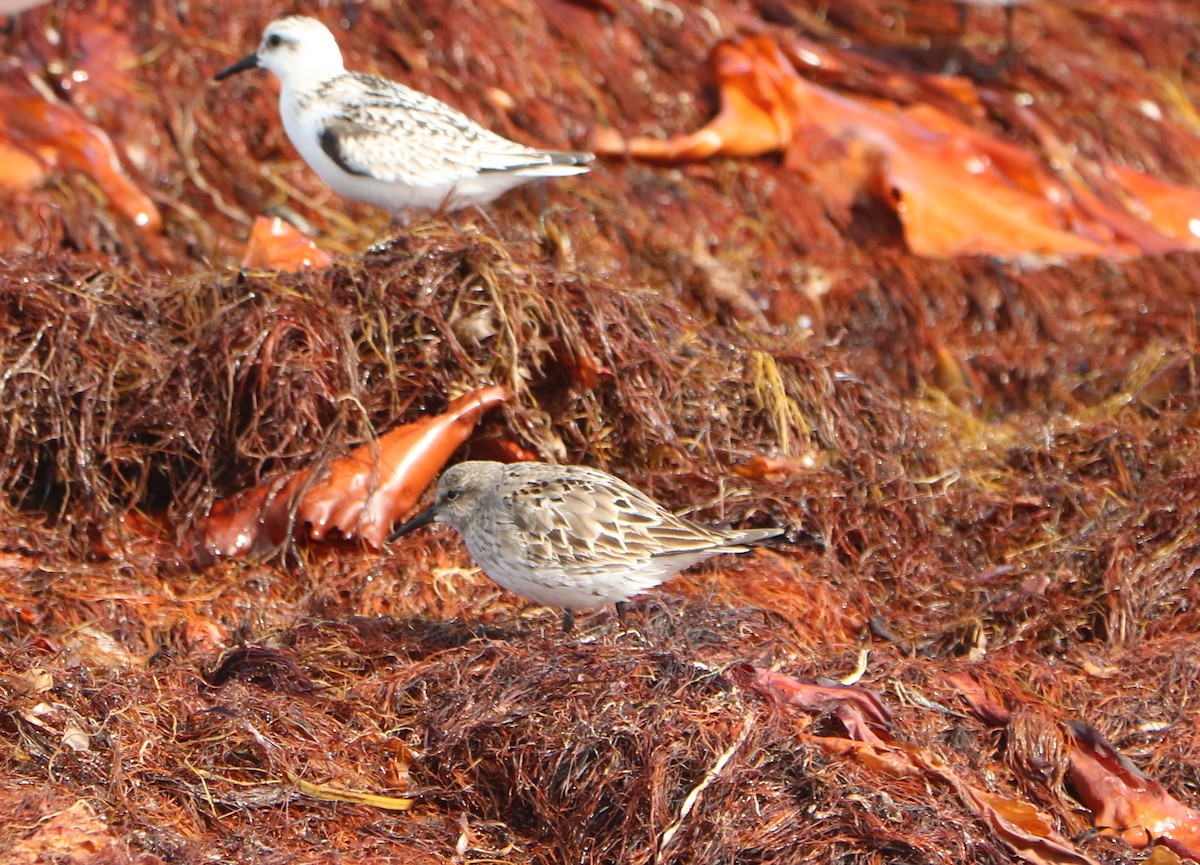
x: 250, y: 61
x: 422, y: 519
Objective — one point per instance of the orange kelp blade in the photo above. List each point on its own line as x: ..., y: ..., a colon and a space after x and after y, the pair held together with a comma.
x: 59, y: 136
x: 1028, y: 833
x: 756, y: 114
x: 359, y: 495
x: 276, y: 245
x: 1125, y: 801
x: 957, y: 190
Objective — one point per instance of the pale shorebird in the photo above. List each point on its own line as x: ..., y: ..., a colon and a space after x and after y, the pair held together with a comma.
x: 385, y: 144
x: 571, y: 537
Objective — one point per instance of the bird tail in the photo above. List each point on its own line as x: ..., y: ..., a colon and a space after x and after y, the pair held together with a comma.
x: 563, y: 163
x: 750, y: 537
x: 571, y: 157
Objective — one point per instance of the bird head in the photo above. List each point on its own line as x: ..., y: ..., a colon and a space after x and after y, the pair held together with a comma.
x: 461, y: 491
x: 293, y: 48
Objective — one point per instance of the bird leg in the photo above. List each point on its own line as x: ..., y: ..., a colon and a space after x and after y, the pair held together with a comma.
x: 568, y: 621
x: 1006, y: 59
x: 963, y: 59
x: 623, y: 614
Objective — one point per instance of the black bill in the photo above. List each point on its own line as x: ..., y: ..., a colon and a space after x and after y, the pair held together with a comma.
x: 422, y: 519
x: 250, y: 61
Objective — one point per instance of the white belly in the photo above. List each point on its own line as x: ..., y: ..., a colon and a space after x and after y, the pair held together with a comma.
x: 564, y: 588
x: 303, y: 130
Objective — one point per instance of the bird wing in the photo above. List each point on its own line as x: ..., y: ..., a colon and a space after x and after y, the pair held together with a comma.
x: 382, y: 129
x: 583, y: 520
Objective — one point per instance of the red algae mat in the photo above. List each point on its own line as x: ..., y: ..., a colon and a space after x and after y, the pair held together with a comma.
x: 837, y: 267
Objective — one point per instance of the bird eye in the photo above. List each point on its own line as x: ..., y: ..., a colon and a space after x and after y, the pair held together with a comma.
x: 451, y: 495
x: 274, y: 40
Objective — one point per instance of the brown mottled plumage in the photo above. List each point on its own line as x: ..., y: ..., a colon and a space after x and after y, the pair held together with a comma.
x: 569, y: 536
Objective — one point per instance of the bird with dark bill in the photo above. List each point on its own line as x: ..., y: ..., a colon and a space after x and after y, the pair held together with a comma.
x: 379, y: 142
x: 571, y: 537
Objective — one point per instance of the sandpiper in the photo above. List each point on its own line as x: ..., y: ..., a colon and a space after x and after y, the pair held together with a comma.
x: 571, y: 537
x: 385, y: 144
